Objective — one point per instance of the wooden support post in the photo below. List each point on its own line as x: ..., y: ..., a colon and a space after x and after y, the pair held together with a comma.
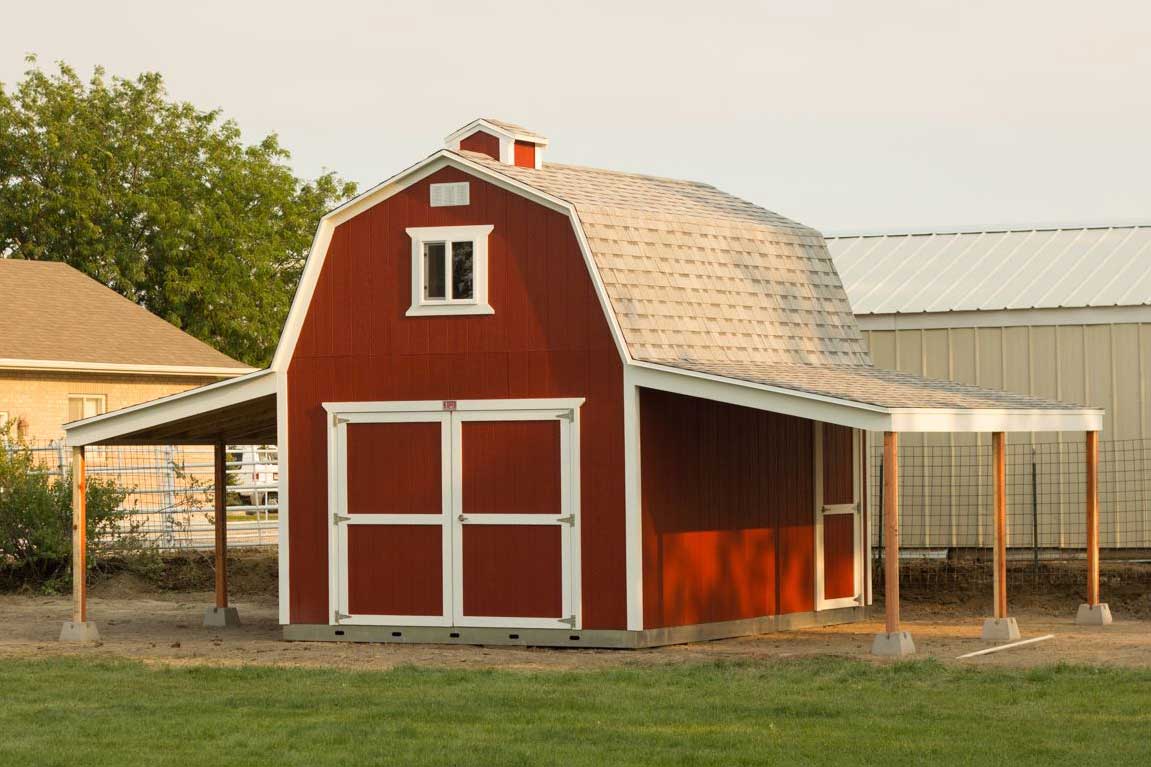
x: 1000, y: 628
x: 891, y: 529
x: 221, y: 510
x: 999, y: 452
x: 1094, y: 612
x: 79, y: 538
x: 893, y: 642
x: 79, y: 629
x: 1092, y: 468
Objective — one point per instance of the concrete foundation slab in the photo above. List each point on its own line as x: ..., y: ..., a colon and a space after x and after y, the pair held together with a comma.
x: 540, y: 637
x: 221, y: 617
x: 894, y: 645
x: 79, y: 632
x: 1094, y: 615
x: 1000, y: 630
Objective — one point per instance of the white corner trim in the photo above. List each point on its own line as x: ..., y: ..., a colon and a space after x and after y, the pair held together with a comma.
x: 284, y: 548
x: 633, y: 501
x: 478, y: 236
x: 171, y: 408
x: 69, y: 366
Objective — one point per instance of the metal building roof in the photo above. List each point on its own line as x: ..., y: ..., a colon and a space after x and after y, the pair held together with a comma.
x: 993, y: 270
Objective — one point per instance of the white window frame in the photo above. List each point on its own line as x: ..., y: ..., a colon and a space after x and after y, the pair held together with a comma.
x: 102, y: 408
x: 478, y: 303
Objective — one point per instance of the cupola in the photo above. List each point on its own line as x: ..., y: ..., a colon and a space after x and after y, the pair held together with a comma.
x: 499, y: 140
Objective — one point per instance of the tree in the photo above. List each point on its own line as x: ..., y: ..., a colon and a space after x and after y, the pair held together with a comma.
x: 158, y: 200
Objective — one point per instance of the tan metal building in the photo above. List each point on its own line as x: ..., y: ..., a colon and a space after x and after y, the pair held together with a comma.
x: 1063, y: 313
x: 71, y: 348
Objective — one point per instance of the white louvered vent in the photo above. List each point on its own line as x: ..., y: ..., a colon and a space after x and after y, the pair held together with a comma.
x: 446, y: 195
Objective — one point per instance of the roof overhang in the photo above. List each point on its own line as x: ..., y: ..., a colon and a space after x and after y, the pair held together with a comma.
x: 859, y: 415
x: 238, y: 411
x: 122, y: 368
x: 499, y: 131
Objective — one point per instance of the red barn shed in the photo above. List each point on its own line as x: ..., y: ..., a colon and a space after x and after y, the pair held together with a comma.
x: 519, y: 401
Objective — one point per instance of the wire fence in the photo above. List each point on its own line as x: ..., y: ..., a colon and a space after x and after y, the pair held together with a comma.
x: 946, y: 496
x: 170, y: 499
x: 946, y: 511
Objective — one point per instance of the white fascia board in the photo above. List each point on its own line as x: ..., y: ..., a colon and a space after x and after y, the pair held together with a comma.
x: 67, y: 366
x: 859, y: 415
x: 759, y: 396
x: 174, y: 407
x: 1005, y: 318
x: 444, y: 158
x: 992, y: 420
x: 454, y: 138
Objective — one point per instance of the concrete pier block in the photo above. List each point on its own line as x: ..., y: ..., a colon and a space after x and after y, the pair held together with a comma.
x: 894, y: 645
x: 1094, y: 615
x: 79, y: 632
x: 221, y: 617
x: 1000, y: 630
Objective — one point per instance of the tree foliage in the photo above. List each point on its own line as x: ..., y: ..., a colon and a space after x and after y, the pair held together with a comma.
x: 158, y: 200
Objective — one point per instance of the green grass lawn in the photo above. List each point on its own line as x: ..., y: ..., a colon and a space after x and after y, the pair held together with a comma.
x: 73, y: 711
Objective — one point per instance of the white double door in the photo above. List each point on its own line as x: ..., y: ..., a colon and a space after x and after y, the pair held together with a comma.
x: 464, y: 515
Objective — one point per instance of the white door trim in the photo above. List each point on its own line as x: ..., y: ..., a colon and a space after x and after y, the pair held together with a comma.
x: 822, y: 510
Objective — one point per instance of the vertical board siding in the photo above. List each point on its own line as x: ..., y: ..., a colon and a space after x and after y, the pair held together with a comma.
x: 394, y: 468
x: 547, y: 338
x: 525, y: 154
x: 728, y: 501
x: 482, y: 142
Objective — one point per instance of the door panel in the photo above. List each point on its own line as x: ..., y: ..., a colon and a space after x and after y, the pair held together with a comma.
x: 396, y: 570
x: 512, y: 571
x: 511, y: 467
x: 395, y: 468
x: 838, y: 556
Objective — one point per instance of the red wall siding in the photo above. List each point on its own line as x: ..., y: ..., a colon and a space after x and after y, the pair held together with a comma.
x: 525, y: 154
x: 484, y: 143
x: 728, y: 500
x: 547, y: 338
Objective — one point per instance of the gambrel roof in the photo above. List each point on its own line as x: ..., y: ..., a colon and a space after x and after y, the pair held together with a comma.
x: 696, y: 275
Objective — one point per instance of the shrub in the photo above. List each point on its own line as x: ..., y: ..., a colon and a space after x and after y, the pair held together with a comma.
x: 36, y: 519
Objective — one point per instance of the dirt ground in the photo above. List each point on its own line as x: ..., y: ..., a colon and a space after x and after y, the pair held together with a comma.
x: 165, y: 628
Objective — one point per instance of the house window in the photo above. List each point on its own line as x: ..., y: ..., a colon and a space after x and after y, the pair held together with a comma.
x: 85, y: 405
x: 449, y: 270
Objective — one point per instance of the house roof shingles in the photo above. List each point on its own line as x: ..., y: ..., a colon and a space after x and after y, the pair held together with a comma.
x: 54, y: 313
x: 703, y: 281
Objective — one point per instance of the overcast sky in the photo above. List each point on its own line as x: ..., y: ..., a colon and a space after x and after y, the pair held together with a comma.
x: 848, y: 116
